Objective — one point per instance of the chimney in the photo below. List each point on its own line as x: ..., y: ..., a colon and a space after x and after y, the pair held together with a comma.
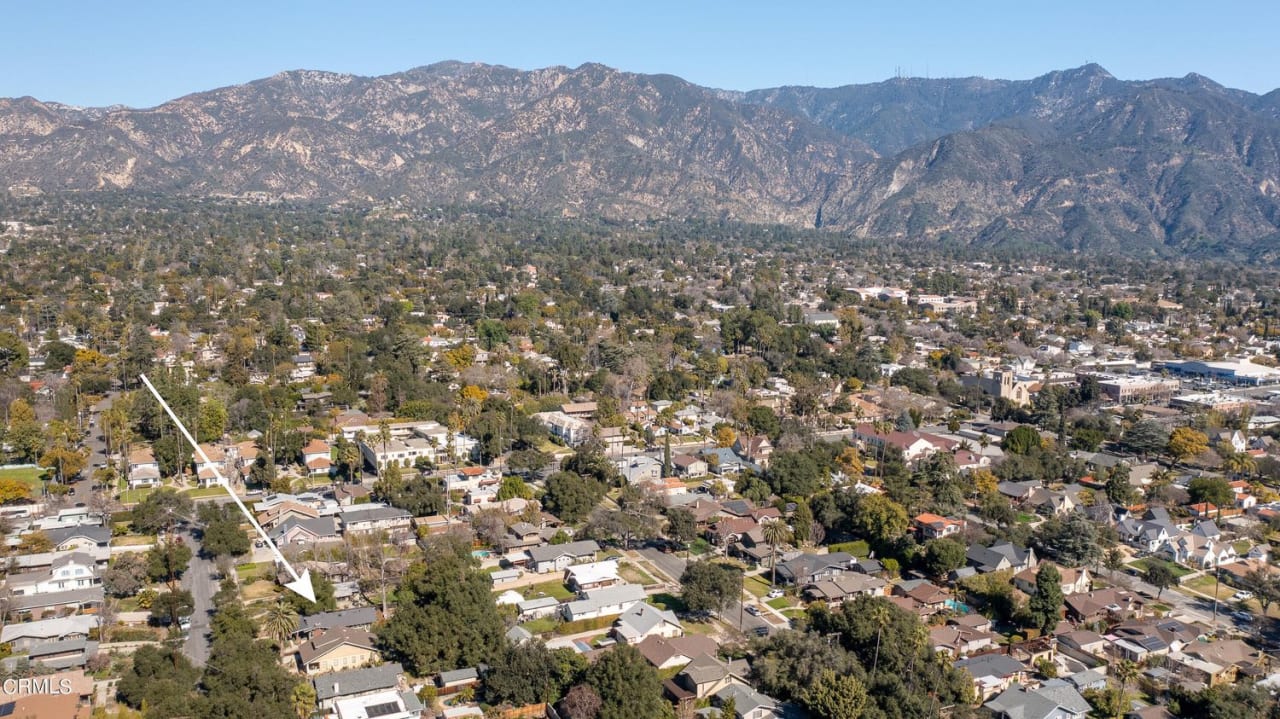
x: 335, y: 690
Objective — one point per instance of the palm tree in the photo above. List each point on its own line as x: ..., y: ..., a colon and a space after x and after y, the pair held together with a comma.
x: 775, y: 533
x: 1125, y: 671
x: 384, y: 435
x: 280, y: 622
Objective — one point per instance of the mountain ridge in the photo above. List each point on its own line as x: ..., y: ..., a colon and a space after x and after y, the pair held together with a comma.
x: 1075, y: 159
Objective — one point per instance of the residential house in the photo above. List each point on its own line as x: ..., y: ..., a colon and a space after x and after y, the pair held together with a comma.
x: 22, y: 636
x: 573, y: 431
x: 557, y: 557
x: 1196, y: 551
x: 811, y: 568
x: 317, y: 457
x: 843, y: 587
x: 747, y: 703
x: 642, y: 621
x: 1083, y: 645
x: 63, y: 654
x: 592, y: 575
x: 367, y: 518
x: 993, y: 673
x: 932, y: 526
x: 537, y: 608
x: 604, y: 602
x: 1046, y: 702
x: 724, y: 462
x: 387, y: 704
x: 668, y: 653
x: 1074, y: 581
x: 756, y: 449
x: 1000, y: 556
x: 708, y: 674
x: 144, y: 469
x: 639, y: 469
x: 44, y: 604
x: 72, y: 571
x: 306, y: 532
x: 358, y: 618
x: 1193, y: 668
x: 958, y: 641
x: 454, y: 681
x: 1103, y: 604
x: 335, y: 649
x: 281, y: 512
x: 926, y: 597
x: 689, y: 466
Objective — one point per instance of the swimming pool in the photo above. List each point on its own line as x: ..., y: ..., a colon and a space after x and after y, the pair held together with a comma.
x: 958, y: 606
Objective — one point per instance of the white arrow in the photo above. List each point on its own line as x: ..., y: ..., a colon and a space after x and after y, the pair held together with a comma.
x: 301, y: 582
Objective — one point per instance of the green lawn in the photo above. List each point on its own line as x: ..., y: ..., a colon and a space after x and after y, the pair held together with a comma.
x: 554, y: 588
x: 205, y: 492
x: 1242, y: 547
x: 758, y: 585
x: 1178, y: 570
x: 1206, y: 585
x: 542, y: 625
x: 133, y: 496
x: 779, y: 603
x: 247, y: 573
x: 31, y: 476
x: 699, y: 547
x: 1024, y: 518
x: 664, y: 600
x: 858, y: 548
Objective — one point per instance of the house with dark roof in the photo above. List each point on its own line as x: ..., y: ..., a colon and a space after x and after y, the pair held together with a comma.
x: 708, y: 674
x: 1000, y: 556
x: 667, y: 653
x: 557, y: 557
x: 993, y: 673
x: 355, y: 683
x: 812, y: 568
x: 358, y: 618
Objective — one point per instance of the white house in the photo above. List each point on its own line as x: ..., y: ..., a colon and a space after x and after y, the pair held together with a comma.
x: 604, y: 602
x: 72, y: 571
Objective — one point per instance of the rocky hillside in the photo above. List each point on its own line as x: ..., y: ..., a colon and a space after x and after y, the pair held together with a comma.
x: 1074, y: 159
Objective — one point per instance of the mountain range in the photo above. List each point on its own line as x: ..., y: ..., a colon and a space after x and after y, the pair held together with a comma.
x: 1075, y: 159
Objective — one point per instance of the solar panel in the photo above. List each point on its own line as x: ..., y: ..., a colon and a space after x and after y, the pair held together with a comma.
x: 381, y: 710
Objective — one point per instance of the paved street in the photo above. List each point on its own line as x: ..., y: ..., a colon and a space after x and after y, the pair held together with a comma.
x: 199, y: 581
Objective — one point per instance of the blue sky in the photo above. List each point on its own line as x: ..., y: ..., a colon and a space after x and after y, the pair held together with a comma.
x: 143, y: 53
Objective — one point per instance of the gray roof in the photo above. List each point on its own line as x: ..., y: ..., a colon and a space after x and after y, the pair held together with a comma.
x: 459, y: 675
x: 641, y: 618
x: 706, y: 668
x: 550, y: 552
x: 985, y: 557
x: 358, y: 617
x: 50, y: 628
x: 356, y: 681
x: 87, y: 595
x: 806, y: 565
x: 372, y: 513
x: 98, y: 534
x: 607, y: 596
x: 319, y: 526
x: 518, y: 635
x: 1019, y: 703
x: 745, y: 699
x: 991, y: 665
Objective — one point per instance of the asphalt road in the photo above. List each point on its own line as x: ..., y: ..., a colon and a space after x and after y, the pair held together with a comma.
x: 198, y: 579
x: 673, y: 566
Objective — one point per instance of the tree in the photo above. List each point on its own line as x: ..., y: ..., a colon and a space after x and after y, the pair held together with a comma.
x: 1159, y: 576
x: 35, y: 542
x: 763, y: 420
x: 530, y: 673
x: 160, y: 679
x: 775, y: 533
x: 1119, y: 490
x: 65, y: 460
x: 325, y: 600
x: 571, y: 496
x: 445, y: 615
x: 725, y: 436
x: 303, y: 700
x: 161, y: 510
x: 1045, y: 605
x: 126, y: 575
x: 1071, y: 540
x: 1145, y: 437
x: 1113, y: 560
x: 941, y: 556
x: 786, y: 664
x: 710, y: 586
x: 834, y: 696
x: 166, y: 561
x: 243, y: 676
x: 513, y: 487
x: 222, y: 533
x: 169, y: 607
x: 628, y: 686
x: 13, y: 355
x: 13, y: 490
x: 280, y: 622
x: 682, y: 526
x: 1186, y: 443
x: 1023, y: 440
x: 580, y: 702
x: 878, y: 518
x: 212, y: 422
x: 1214, y: 490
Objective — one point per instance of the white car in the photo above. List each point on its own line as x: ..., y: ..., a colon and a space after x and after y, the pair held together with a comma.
x: 774, y: 593
x: 1242, y: 596
x: 753, y: 610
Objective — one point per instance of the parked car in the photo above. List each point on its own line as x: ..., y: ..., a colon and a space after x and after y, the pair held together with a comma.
x: 774, y: 593
x: 1242, y: 616
x: 1242, y: 596
x: 753, y: 610
x: 760, y: 631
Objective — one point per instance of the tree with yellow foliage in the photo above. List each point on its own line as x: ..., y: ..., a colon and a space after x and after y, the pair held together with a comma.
x: 12, y: 490
x: 725, y: 436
